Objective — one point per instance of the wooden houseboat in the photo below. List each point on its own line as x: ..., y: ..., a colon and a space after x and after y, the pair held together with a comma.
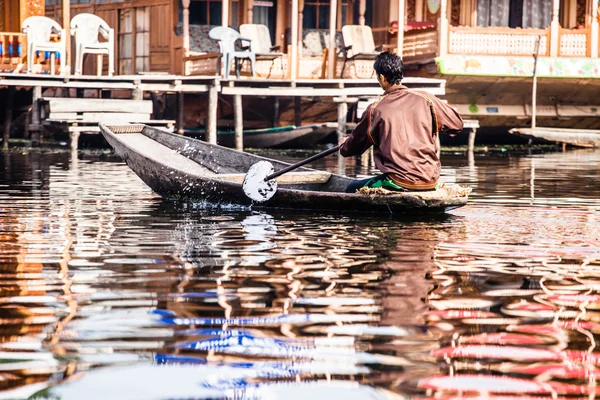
x: 485, y: 54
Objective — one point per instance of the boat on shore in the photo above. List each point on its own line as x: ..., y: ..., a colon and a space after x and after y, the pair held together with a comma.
x: 573, y: 137
x: 187, y: 169
x: 282, y: 137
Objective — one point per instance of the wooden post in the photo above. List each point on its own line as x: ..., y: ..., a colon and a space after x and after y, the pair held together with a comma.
x: 297, y: 111
x: 8, y: 115
x: 401, y: 14
x: 555, y: 29
x: 249, y: 11
x: 225, y: 12
x: 419, y: 10
x: 186, y: 34
x: 66, y: 24
x: 238, y: 117
x: 534, y: 86
x: 594, y: 30
x: 443, y: 28
x: 342, y: 114
x: 471, y: 142
x: 36, y: 123
x: 98, y: 64
x: 74, y: 135
x: 180, y: 113
x: 362, y: 9
x: 275, y: 111
x: 331, y: 52
x: 213, y: 100
x: 293, y: 58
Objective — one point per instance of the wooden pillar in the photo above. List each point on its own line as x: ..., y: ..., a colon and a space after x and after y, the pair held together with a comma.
x: 594, y: 31
x: 471, y: 142
x: 186, y: 27
x: 331, y: 52
x: 36, y: 123
x: 443, y: 28
x: 211, y: 124
x: 8, y: 116
x: 293, y: 58
x: 342, y: 114
x: 66, y: 24
x: 401, y: 14
x: 534, y: 85
x: 297, y: 111
x: 419, y: 10
x: 74, y: 135
x: 362, y: 9
x: 275, y: 111
x: 238, y: 117
x: 555, y: 29
x: 249, y: 11
x: 225, y: 12
x: 180, y: 112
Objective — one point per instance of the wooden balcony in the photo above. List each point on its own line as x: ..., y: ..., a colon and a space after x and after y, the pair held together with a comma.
x: 423, y: 45
x: 497, y: 41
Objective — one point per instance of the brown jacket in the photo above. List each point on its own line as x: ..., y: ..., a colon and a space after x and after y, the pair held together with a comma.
x: 403, y: 126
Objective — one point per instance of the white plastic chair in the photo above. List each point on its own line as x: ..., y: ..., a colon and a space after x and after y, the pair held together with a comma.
x: 260, y: 44
x: 86, y: 28
x: 38, y: 30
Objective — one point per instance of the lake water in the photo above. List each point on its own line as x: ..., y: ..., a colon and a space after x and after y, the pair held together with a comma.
x: 107, y: 292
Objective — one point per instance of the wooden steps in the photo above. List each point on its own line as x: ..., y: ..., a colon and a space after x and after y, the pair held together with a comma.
x: 77, y: 115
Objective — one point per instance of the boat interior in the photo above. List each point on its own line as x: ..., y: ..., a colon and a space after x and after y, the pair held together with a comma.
x: 199, y: 158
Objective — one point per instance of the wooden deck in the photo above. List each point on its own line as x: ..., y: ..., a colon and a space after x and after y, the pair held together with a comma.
x: 339, y: 91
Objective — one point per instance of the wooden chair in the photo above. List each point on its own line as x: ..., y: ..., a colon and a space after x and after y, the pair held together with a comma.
x: 38, y: 30
x: 86, y: 28
x: 227, y: 38
x: 261, y: 44
x: 359, y: 45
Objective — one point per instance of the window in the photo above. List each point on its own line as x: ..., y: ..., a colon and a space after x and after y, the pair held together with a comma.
x: 142, y: 39
x: 209, y: 12
x: 316, y: 13
x: 125, y: 42
x: 514, y: 13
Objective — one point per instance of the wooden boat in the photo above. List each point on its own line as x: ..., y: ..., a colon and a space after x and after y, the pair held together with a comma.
x: 573, y: 137
x: 179, y: 167
x: 283, y: 137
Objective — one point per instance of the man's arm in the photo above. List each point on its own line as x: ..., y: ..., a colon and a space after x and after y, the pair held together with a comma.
x: 448, y: 119
x: 360, y: 139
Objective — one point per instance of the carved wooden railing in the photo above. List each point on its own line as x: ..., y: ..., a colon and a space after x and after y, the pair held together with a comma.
x: 13, y: 48
x: 574, y: 42
x: 497, y: 41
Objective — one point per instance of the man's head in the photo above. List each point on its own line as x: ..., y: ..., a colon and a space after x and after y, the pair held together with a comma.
x: 388, y: 67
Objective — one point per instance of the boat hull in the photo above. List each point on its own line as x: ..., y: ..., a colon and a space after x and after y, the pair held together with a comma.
x: 185, y: 171
x: 573, y: 137
x: 301, y: 137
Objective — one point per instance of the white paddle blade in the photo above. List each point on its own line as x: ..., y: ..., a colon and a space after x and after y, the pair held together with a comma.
x: 255, y: 186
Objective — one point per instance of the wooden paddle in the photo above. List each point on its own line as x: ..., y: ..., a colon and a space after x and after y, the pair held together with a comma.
x: 259, y: 184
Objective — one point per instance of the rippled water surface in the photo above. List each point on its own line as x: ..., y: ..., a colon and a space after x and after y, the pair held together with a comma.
x: 107, y: 292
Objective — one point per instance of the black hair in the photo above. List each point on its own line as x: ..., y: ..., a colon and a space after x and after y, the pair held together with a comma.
x: 390, y: 66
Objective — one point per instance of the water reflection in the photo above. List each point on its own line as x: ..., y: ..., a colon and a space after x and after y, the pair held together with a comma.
x: 108, y: 291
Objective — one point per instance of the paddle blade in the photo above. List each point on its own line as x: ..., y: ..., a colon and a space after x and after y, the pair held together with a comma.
x: 255, y: 186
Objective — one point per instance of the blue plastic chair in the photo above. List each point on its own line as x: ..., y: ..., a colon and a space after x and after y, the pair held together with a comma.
x: 227, y: 38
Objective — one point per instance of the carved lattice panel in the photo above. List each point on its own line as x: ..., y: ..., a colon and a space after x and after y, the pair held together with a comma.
x: 573, y: 44
x: 495, y: 43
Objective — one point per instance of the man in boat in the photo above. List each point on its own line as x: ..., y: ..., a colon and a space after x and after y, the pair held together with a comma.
x: 403, y: 127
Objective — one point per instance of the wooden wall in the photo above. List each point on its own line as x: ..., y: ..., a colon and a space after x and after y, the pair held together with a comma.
x: 164, y: 47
